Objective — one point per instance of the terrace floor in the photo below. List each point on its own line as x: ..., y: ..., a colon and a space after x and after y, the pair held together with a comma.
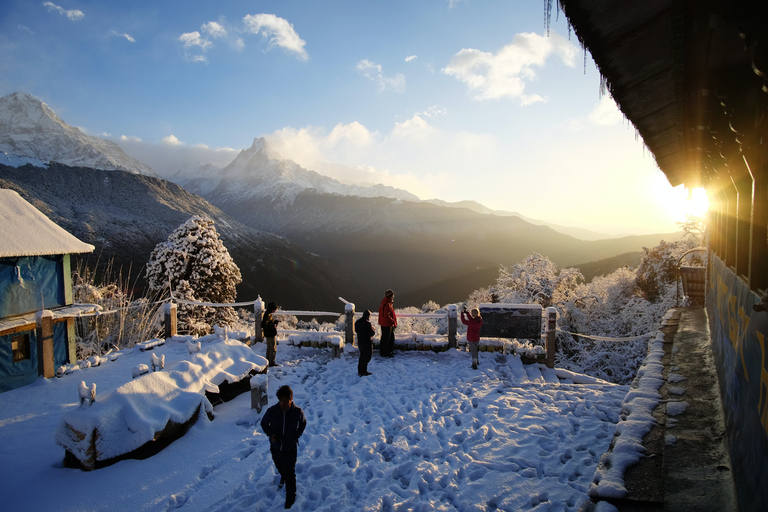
x: 688, y: 467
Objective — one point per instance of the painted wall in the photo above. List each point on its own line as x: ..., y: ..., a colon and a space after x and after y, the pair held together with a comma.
x: 739, y: 344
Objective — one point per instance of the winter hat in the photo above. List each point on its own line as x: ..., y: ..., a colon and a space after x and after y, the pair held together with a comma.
x: 389, y: 293
x: 271, y: 306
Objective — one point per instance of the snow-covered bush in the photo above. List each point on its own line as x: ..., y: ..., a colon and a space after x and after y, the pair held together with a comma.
x: 629, y: 303
x: 194, y: 262
x: 414, y: 325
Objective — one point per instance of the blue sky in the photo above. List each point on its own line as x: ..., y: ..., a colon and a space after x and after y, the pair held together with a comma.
x: 461, y: 99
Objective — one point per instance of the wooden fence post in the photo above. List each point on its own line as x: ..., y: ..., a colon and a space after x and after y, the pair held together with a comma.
x: 258, y: 316
x: 349, y: 324
x: 170, y: 310
x: 452, y: 325
x: 550, y: 331
x: 44, y: 335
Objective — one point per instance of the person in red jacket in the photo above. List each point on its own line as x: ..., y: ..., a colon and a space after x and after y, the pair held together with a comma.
x: 473, y: 323
x: 388, y: 322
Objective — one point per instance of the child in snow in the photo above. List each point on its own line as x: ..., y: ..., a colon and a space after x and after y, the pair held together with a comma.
x: 269, y: 331
x: 284, y: 423
x: 473, y: 323
x: 365, y: 332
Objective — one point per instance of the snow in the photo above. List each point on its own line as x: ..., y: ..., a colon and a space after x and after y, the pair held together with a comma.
x: 26, y: 231
x: 12, y: 160
x: 636, y: 421
x: 424, y: 432
x: 131, y: 415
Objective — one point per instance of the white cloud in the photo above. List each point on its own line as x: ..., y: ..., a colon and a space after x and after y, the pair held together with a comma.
x: 279, y: 33
x: 606, y: 112
x: 171, y: 155
x: 195, y: 46
x: 72, y: 14
x: 171, y: 140
x: 415, y: 155
x: 414, y: 130
x: 216, y: 30
x: 506, y: 73
x: 411, y: 57
x: 374, y: 73
x: 126, y: 36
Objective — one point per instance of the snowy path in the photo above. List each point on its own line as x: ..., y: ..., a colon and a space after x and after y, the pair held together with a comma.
x: 424, y: 432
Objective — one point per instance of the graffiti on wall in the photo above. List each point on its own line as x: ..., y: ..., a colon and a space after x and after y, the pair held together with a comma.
x: 738, y: 342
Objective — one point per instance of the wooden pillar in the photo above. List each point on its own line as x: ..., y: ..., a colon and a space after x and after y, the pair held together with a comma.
x: 349, y: 324
x: 71, y: 341
x: 744, y: 191
x: 550, y: 331
x: 452, y: 325
x: 758, y: 269
x: 171, y: 311
x: 258, y: 316
x: 44, y: 335
x: 731, y: 223
x: 259, y: 391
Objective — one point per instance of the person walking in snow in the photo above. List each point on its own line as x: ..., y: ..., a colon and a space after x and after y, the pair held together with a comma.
x: 474, y: 322
x: 365, y: 332
x: 284, y: 423
x: 269, y: 331
x: 388, y: 322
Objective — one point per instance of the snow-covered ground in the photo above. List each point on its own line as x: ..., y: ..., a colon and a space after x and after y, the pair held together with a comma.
x: 424, y: 432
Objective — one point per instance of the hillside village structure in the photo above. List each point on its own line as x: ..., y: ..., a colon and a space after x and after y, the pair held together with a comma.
x: 35, y: 276
x: 692, y: 78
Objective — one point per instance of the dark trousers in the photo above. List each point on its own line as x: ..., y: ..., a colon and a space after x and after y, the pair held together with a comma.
x: 285, y: 462
x: 271, y: 349
x: 387, y: 341
x: 366, y: 351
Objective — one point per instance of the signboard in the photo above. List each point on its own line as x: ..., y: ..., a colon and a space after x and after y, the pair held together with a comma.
x: 511, y: 320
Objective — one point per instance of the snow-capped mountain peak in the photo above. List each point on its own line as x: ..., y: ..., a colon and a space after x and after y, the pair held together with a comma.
x: 258, y: 172
x: 29, y: 128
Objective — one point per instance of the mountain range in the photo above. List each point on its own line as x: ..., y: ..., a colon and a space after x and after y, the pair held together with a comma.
x: 348, y: 239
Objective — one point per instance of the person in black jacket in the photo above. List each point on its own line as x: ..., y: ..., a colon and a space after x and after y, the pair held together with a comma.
x: 365, y: 332
x: 269, y: 331
x: 284, y: 423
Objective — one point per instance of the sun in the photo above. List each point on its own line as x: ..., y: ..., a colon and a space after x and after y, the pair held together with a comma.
x: 697, y: 203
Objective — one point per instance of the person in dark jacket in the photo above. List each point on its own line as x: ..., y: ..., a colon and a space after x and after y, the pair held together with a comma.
x: 269, y: 331
x: 365, y: 332
x: 474, y: 322
x: 284, y: 423
x: 388, y: 322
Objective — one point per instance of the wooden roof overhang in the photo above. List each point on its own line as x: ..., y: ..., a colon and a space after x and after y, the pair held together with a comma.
x: 689, y: 75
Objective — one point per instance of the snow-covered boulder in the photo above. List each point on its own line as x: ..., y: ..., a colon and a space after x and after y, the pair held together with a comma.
x: 155, y: 405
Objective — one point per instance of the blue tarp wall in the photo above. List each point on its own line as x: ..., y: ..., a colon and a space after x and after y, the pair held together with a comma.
x: 31, y: 283
x: 14, y: 375
x: 739, y: 344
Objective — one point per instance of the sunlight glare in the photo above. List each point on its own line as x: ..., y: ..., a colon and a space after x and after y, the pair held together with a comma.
x: 697, y: 203
x: 679, y: 202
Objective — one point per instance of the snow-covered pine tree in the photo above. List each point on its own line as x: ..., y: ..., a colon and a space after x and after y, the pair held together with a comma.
x: 197, y: 265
